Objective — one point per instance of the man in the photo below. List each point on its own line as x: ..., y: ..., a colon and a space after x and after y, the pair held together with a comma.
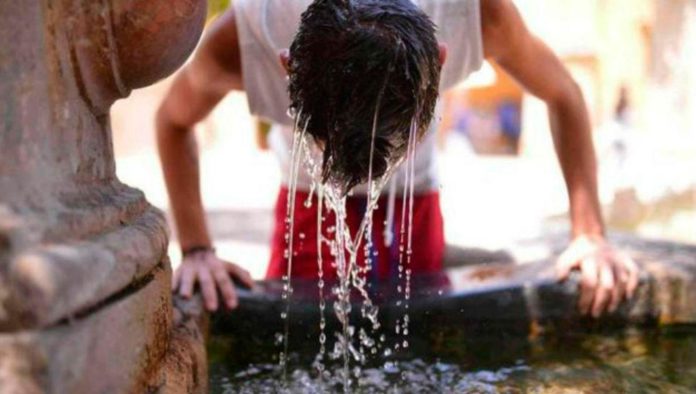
x: 357, y: 64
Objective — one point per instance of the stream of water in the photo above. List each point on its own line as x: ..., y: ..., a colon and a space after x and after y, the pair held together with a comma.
x: 350, y: 346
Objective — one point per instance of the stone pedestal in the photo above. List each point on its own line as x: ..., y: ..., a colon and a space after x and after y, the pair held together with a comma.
x: 85, y: 304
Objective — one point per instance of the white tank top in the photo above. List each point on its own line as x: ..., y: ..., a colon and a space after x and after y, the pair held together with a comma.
x: 265, y: 27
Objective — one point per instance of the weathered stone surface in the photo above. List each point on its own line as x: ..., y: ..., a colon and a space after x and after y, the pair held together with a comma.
x: 22, y: 366
x: 61, y: 71
x: 115, y: 349
x: 64, y: 217
x: 56, y: 281
x: 84, y: 280
x: 185, y: 366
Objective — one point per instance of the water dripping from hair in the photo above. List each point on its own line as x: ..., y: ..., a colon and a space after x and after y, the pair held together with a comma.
x: 289, y: 236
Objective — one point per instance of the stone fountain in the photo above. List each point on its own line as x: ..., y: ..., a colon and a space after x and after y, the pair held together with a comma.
x: 85, y: 302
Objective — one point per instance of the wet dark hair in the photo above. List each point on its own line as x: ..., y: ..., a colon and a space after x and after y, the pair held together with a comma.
x: 349, y: 56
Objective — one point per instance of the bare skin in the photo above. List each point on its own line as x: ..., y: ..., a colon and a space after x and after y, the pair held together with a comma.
x: 197, y: 89
x: 608, y: 276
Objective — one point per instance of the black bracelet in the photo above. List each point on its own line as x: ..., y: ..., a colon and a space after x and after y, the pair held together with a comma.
x: 196, y: 249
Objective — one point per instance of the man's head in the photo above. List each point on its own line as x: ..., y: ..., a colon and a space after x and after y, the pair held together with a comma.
x: 351, y: 58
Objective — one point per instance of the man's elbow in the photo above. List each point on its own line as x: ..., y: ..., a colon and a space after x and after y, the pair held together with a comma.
x: 162, y: 124
x: 175, y: 114
x: 162, y: 118
x: 567, y: 93
x: 166, y: 128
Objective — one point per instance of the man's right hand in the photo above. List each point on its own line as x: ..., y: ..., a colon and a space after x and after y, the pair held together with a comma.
x: 213, y: 72
x: 212, y: 273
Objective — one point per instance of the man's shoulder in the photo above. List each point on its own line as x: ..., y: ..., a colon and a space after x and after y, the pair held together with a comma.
x: 274, y: 21
x: 439, y: 8
x: 494, y: 13
x: 270, y: 7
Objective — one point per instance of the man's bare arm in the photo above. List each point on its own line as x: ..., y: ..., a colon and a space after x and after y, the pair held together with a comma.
x: 607, y: 276
x: 214, y: 71
x: 508, y: 42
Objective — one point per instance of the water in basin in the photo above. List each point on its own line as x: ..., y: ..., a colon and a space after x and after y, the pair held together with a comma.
x: 587, y: 360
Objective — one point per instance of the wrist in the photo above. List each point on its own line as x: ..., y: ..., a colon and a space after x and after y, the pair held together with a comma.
x: 594, y: 233
x: 586, y: 221
x: 196, y: 249
x: 591, y: 238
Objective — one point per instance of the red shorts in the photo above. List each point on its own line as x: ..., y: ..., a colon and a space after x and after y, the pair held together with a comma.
x: 428, y: 237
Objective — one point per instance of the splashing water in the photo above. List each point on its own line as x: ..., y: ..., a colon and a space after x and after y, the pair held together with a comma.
x: 319, y: 363
x: 628, y: 361
x: 409, y: 250
x: 344, y: 250
x: 290, y: 222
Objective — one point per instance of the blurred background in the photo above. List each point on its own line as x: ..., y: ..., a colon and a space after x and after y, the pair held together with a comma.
x: 636, y: 63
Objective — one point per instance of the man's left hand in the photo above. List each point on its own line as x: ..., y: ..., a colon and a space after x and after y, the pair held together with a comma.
x: 608, y: 275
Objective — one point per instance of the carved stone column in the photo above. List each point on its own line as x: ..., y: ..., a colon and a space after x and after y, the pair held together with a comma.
x: 85, y: 305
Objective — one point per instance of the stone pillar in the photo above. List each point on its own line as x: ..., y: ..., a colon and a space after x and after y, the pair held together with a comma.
x: 85, y: 305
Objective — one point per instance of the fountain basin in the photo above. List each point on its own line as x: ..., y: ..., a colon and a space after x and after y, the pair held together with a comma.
x: 491, y: 327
